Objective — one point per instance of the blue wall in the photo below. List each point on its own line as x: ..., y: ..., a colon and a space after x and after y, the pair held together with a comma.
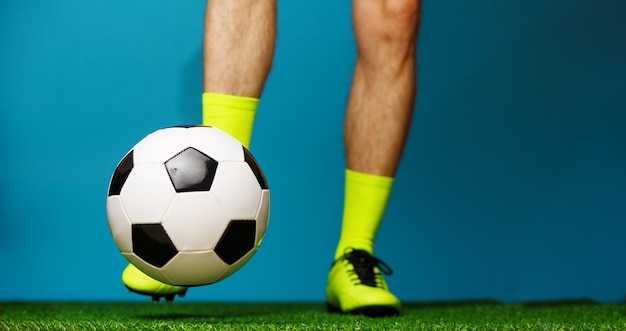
x: 512, y: 188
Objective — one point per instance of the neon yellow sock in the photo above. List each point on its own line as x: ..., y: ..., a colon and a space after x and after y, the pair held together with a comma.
x: 366, y: 198
x: 233, y: 114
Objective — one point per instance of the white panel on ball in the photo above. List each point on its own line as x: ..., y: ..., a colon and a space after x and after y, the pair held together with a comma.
x: 119, y: 224
x: 195, y: 221
x: 237, y: 190
x: 147, y: 193
x: 195, y: 268
x: 216, y: 143
x: 161, y: 145
x: 262, y: 216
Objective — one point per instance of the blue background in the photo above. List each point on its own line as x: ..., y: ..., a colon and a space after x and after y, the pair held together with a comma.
x: 512, y: 186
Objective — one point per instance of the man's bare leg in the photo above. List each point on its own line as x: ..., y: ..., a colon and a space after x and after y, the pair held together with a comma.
x: 239, y: 39
x: 381, y: 102
x: 377, y: 124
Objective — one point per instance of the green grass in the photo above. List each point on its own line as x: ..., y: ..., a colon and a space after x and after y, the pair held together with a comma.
x: 579, y: 315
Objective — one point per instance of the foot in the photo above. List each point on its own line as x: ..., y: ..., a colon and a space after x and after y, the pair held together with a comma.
x: 356, y: 286
x: 138, y: 282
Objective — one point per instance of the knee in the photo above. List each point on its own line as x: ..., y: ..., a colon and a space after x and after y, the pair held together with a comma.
x: 389, y: 26
x: 402, y: 16
x: 388, y: 20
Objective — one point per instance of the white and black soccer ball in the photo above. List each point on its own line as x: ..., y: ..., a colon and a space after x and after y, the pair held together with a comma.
x: 188, y: 205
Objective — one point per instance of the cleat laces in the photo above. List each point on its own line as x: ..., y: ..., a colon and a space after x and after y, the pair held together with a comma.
x: 366, y: 269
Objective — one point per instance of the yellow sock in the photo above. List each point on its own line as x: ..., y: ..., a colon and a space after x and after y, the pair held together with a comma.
x: 366, y: 198
x: 232, y: 114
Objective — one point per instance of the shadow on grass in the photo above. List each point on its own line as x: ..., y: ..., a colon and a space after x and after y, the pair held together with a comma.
x: 450, y: 304
x: 243, y: 312
x: 559, y: 303
x: 491, y: 303
x: 184, y: 316
x: 228, y: 312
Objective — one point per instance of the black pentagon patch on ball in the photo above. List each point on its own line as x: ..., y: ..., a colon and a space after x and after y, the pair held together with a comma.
x: 256, y: 169
x: 237, y: 240
x: 121, y: 174
x: 152, y: 244
x: 191, y: 170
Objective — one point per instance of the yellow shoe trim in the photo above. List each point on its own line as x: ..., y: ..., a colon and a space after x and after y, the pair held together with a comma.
x: 136, y: 281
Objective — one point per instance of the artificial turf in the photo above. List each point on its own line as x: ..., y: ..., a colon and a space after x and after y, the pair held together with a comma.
x: 483, y: 315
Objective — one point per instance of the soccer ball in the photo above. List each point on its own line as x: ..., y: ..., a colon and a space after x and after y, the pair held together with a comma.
x: 188, y: 205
